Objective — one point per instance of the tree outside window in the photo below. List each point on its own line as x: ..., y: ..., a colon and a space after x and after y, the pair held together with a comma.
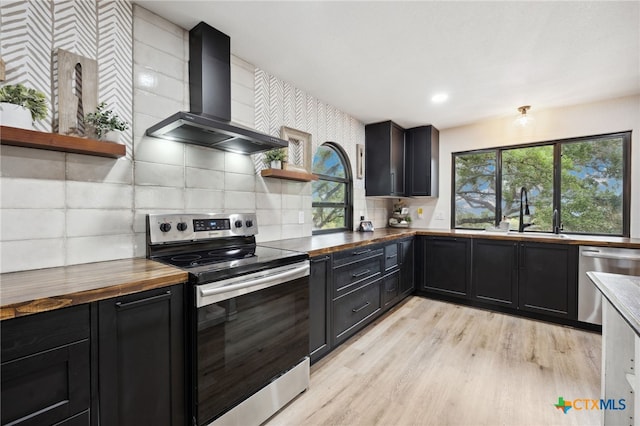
x: 331, y: 193
x: 587, y: 180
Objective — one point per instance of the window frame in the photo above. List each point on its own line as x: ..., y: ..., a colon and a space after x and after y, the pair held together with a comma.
x: 557, y: 174
x: 347, y: 181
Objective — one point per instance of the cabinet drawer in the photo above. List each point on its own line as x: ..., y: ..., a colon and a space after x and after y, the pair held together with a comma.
x: 357, y: 254
x: 390, y: 256
x: 46, y: 387
x: 38, y: 332
x: 354, y: 308
x: 347, y: 277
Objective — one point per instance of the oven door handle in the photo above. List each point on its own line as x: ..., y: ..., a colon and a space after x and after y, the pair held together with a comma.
x: 207, y: 296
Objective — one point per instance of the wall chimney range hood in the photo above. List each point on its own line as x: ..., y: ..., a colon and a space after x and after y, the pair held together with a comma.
x: 208, y: 123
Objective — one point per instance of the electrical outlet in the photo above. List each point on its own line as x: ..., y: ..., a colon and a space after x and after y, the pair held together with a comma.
x: 300, y: 216
x: 439, y: 216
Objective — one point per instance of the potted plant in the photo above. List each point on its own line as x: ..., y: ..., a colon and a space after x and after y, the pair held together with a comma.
x: 20, y: 106
x: 105, y: 123
x: 275, y: 157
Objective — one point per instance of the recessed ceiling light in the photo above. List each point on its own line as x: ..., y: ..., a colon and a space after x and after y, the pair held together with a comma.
x: 439, y: 98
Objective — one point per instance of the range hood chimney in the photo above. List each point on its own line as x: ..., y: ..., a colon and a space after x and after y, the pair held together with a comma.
x: 208, y: 123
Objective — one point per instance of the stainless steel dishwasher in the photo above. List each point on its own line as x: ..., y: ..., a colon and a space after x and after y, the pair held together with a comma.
x: 601, y: 259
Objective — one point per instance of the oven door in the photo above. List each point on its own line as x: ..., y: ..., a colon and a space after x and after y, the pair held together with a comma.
x: 249, y: 330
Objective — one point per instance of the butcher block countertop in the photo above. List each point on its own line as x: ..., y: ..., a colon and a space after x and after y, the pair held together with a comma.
x: 29, y: 292
x: 319, y: 245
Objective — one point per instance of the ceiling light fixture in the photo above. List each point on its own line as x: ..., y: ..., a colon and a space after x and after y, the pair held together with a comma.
x: 524, y: 119
x: 439, y: 98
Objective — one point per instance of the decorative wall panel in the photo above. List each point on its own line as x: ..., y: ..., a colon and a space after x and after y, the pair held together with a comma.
x: 31, y: 31
x: 26, y: 37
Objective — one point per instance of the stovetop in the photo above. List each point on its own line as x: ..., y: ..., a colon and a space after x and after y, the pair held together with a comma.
x: 214, y: 267
x: 212, y: 247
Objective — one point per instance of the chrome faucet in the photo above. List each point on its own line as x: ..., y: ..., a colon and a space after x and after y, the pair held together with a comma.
x: 521, y: 224
x: 557, y: 227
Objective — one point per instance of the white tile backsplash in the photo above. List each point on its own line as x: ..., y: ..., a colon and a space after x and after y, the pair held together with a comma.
x: 159, y: 151
x: 159, y: 174
x: 88, y: 222
x: 18, y: 193
x: 99, y: 248
x: 86, y: 168
x: 158, y: 61
x: 90, y: 195
x: 204, y: 200
x: 159, y: 198
x: 204, y: 158
x: 238, y: 163
x: 28, y: 224
x: 154, y: 33
x: 239, y: 182
x: 31, y: 163
x: 239, y: 201
x: 31, y: 254
x: 203, y: 178
x: 156, y: 105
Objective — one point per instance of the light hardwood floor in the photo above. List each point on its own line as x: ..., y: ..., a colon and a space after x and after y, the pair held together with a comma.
x: 435, y: 363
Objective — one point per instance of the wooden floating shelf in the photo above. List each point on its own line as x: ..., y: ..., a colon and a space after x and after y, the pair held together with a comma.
x: 57, y: 142
x: 288, y: 174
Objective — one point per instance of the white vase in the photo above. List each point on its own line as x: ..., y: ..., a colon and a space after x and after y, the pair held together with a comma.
x: 15, y: 116
x: 276, y: 164
x: 111, y: 136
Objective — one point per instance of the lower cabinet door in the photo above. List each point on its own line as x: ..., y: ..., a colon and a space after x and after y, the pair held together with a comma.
x: 494, y: 277
x: 390, y: 287
x: 47, y: 387
x: 319, y: 307
x: 351, y: 311
x: 141, y: 358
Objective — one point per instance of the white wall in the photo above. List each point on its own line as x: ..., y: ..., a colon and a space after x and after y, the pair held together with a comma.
x: 609, y: 116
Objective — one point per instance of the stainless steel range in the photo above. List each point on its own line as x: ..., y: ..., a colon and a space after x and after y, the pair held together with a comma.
x: 249, y: 310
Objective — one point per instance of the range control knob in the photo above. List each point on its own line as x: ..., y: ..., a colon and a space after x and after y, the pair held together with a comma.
x: 249, y: 223
x: 165, y: 227
x: 182, y: 226
x: 238, y: 224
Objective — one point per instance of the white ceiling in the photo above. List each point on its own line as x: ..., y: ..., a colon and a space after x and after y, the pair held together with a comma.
x: 385, y: 60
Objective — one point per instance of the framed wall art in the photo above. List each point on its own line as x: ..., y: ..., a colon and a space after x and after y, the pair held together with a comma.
x: 299, y: 150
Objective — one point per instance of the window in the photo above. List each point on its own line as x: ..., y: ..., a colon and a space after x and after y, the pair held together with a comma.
x: 587, y: 180
x: 331, y: 193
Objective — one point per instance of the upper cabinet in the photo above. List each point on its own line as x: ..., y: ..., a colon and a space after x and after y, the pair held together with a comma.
x: 384, y: 159
x: 399, y: 162
x: 422, y: 161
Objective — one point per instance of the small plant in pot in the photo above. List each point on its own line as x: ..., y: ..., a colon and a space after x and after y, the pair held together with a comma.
x: 105, y: 123
x: 275, y: 157
x: 20, y: 106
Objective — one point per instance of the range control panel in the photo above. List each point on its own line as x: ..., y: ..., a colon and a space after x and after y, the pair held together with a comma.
x: 177, y: 227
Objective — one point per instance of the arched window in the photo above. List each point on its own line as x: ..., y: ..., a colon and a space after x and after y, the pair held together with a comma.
x: 331, y: 194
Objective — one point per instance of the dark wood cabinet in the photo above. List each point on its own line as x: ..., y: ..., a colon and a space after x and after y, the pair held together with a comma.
x: 355, y: 309
x: 422, y: 147
x: 384, y: 159
x: 407, y: 267
x: 319, y: 307
x: 494, y: 273
x: 46, y: 368
x: 141, y: 349
x: 446, y: 265
x: 390, y: 288
x: 548, y: 279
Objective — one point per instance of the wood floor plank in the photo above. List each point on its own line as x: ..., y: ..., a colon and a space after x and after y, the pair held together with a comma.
x: 435, y: 363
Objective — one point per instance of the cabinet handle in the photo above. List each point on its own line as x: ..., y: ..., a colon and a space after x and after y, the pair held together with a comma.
x: 360, y: 274
x: 391, y: 290
x: 357, y: 253
x: 355, y: 310
x: 319, y: 259
x: 392, y: 256
x: 152, y: 299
